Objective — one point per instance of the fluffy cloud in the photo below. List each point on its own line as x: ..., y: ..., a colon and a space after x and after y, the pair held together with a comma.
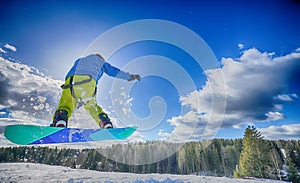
x: 12, y: 48
x: 2, y: 51
x: 161, y: 133
x: 241, y: 46
x: 286, y: 132
x: 256, y: 84
x: 191, y: 126
x: 286, y: 98
x: 26, y: 92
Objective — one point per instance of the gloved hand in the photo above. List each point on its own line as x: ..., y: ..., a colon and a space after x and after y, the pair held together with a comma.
x: 134, y: 77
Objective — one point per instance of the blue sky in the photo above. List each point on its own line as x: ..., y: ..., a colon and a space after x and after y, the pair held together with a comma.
x: 50, y: 35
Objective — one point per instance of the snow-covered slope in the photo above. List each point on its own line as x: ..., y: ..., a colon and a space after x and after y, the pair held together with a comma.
x: 28, y: 172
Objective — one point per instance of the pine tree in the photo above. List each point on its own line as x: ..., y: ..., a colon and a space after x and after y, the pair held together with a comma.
x: 254, y: 158
x: 293, y: 174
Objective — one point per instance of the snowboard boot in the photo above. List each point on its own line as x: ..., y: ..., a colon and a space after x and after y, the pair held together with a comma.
x: 105, y: 122
x: 60, y: 119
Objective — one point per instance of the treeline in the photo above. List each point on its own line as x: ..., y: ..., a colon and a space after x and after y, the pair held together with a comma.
x: 217, y: 157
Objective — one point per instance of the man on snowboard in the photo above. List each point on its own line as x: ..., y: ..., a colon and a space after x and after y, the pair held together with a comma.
x: 81, y: 86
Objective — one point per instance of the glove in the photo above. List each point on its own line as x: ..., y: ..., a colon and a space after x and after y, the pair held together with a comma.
x: 134, y: 77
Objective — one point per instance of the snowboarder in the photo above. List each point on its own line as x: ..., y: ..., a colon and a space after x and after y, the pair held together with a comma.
x: 80, y: 88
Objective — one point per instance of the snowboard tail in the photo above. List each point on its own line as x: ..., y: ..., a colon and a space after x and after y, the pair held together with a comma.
x: 31, y: 134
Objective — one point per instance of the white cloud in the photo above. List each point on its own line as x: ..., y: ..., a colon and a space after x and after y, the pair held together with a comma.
x: 2, y: 51
x: 191, y: 126
x: 286, y: 132
x: 241, y: 46
x: 255, y: 91
x: 253, y: 57
x: 274, y: 116
x: 285, y: 97
x: 163, y: 134
x: 12, y: 48
x: 294, y: 95
x: 26, y: 92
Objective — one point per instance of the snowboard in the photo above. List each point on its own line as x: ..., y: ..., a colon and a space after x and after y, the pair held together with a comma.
x: 32, y: 134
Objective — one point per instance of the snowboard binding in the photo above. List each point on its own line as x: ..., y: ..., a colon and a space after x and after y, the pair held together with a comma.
x: 60, y: 119
x: 105, y: 122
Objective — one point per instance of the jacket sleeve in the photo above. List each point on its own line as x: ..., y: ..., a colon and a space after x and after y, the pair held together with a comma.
x: 115, y: 72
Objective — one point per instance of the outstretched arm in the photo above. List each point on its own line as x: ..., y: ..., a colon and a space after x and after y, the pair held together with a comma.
x: 115, y: 72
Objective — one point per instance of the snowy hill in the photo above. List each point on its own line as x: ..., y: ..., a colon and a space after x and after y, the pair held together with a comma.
x: 28, y: 172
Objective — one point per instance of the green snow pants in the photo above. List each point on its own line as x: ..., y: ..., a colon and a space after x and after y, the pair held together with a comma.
x: 83, y: 89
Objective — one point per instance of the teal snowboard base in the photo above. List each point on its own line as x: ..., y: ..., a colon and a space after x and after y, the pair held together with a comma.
x: 31, y: 134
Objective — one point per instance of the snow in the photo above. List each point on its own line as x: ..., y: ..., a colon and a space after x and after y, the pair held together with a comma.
x: 29, y: 172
